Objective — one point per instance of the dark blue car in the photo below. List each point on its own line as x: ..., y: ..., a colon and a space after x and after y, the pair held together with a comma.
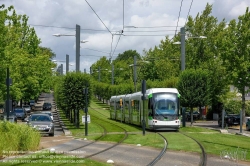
x: 20, y: 113
x: 47, y: 106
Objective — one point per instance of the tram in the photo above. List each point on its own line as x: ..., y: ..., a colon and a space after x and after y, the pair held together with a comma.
x: 160, y: 109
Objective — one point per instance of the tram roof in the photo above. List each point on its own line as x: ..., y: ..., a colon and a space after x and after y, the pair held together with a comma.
x: 158, y: 90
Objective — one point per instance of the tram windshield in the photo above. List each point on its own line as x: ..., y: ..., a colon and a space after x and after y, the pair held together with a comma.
x: 165, y: 104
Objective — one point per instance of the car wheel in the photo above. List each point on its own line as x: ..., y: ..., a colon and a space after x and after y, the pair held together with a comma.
x: 52, y: 134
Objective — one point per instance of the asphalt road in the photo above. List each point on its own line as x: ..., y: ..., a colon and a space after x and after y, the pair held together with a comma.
x: 214, y: 125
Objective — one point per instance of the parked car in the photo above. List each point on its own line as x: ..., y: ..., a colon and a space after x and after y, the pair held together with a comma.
x: 20, y: 113
x: 41, y: 122
x: 48, y: 113
x: 248, y: 124
x: 12, y: 116
x: 47, y: 106
x: 32, y: 104
x: 27, y: 108
x: 196, y: 115
x: 230, y: 120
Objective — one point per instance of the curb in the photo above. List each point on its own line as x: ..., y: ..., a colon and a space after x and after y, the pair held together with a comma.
x: 65, y: 130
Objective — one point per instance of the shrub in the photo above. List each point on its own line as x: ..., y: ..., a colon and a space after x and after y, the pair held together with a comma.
x: 17, y: 138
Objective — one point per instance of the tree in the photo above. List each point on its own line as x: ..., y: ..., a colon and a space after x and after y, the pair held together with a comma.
x: 235, y: 53
x: 194, y: 86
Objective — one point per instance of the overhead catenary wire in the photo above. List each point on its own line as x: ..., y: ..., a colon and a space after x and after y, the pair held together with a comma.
x: 115, y: 47
x: 189, y: 11
x: 97, y: 55
x: 178, y: 16
x: 149, y: 35
x: 111, y: 47
x: 166, y: 26
x: 49, y: 26
x: 150, y: 31
x: 98, y: 51
x: 98, y: 17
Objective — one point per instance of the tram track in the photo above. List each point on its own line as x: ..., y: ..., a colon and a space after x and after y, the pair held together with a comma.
x: 203, y: 156
x: 162, y: 152
x: 105, y: 133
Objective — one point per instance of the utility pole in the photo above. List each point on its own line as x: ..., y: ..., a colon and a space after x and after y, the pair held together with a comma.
x: 143, y: 91
x: 135, y: 76
x: 183, y: 48
x: 61, y: 71
x: 183, y: 34
x: 86, y: 110
x: 67, y: 63
x: 77, y: 48
x: 112, y: 82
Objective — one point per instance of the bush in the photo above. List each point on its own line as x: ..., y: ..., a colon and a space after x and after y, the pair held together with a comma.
x: 17, y: 138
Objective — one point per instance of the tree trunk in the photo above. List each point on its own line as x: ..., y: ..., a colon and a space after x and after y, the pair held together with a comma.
x: 71, y: 119
x: 77, y: 119
x: 191, y: 114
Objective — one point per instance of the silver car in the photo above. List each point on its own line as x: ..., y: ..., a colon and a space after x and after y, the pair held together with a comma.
x: 27, y: 108
x: 48, y: 113
x: 42, y: 122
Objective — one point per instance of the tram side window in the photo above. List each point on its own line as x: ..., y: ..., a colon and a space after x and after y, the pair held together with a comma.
x: 136, y: 105
x: 126, y: 105
x: 112, y: 104
x: 117, y: 105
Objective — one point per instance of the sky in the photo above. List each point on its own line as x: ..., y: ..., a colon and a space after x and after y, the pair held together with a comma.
x: 144, y: 23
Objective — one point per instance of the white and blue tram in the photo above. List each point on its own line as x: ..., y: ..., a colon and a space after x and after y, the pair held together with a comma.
x: 161, y: 108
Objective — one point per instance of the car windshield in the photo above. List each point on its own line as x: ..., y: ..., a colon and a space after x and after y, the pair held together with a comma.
x: 18, y: 110
x: 40, y: 118
x: 48, y: 113
x: 47, y: 104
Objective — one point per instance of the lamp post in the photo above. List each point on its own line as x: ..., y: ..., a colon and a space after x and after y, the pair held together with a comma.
x: 67, y: 63
x: 77, y: 48
x: 135, y: 72
x: 183, y: 45
x: 112, y: 74
x: 183, y: 57
x: 61, y: 69
x: 77, y: 35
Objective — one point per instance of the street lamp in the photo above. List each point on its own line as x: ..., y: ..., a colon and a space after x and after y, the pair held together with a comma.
x: 67, y: 63
x: 113, y: 73
x: 77, y: 35
x: 183, y: 34
x: 135, y: 73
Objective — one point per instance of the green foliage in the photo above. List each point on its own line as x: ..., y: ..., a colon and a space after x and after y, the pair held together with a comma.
x: 29, y: 64
x: 73, y: 85
x: 235, y: 53
x: 127, y: 55
x: 16, y: 137
x: 194, y: 88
